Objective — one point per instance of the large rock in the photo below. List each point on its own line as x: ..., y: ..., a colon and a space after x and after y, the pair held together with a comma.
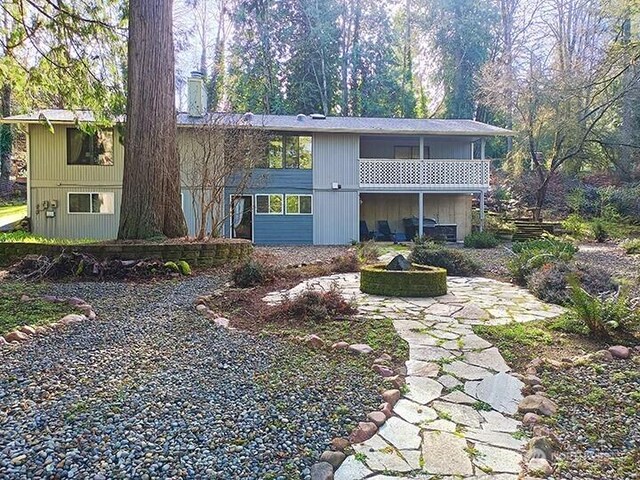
x: 539, y: 466
x: 72, y: 318
x: 314, y: 341
x: 321, y: 471
x: 377, y: 417
x: 401, y: 434
x: 16, y: 336
x: 619, y: 351
x: 399, y: 263
x: 29, y: 330
x: 360, y: 348
x: 340, y: 443
x: 423, y: 390
x: 537, y: 404
x: 352, y: 469
x: 391, y: 396
x: 364, y: 431
x: 498, y: 460
x: 334, y: 458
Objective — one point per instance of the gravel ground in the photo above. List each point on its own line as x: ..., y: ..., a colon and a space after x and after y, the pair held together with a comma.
x: 298, y: 254
x: 152, y: 390
x: 598, y: 424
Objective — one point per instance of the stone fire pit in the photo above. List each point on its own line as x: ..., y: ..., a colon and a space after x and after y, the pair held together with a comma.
x: 400, y: 278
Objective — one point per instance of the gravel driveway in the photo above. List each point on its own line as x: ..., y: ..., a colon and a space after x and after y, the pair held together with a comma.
x: 152, y: 390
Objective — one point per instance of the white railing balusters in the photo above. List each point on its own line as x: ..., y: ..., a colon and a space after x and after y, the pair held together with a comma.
x: 435, y: 174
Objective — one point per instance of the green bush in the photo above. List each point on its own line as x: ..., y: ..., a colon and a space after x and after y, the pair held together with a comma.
x: 576, y: 226
x: 369, y: 251
x: 184, y: 267
x: 454, y: 261
x: 533, y: 254
x: 599, y: 231
x: 631, y: 246
x: 602, y: 314
x: 252, y: 273
x: 481, y: 240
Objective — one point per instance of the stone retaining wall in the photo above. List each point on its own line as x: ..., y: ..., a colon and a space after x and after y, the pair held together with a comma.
x: 196, y: 254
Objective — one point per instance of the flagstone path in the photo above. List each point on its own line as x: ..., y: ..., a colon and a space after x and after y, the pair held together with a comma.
x: 443, y: 424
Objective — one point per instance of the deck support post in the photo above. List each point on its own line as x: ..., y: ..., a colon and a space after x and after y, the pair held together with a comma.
x: 420, y: 214
x: 482, y: 210
x: 421, y: 148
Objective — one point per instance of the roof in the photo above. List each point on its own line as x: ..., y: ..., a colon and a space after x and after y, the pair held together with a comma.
x: 296, y: 123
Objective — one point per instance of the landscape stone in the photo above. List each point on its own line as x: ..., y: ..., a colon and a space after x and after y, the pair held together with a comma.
x: 314, y: 341
x: 29, y: 330
x: 422, y: 389
x: 499, y: 460
x: 428, y: 353
x: 459, y: 397
x: 340, y: 444
x: 449, y: 381
x: 340, y: 345
x: 16, y: 336
x: 461, y: 414
x: 441, y: 425
x: 531, y: 418
x: 386, y: 409
x: 497, y: 422
x: 72, y: 318
x: 352, y: 469
x: 502, y: 391
x: 382, y: 457
x: 539, y: 466
x: 619, y: 351
x: 444, y: 454
x: 413, y: 412
x: 334, y: 458
x: 419, y: 368
x: 496, y: 439
x: 465, y: 371
x: 364, y: 431
x: 377, y: 417
x: 489, y: 358
x: 382, y: 370
x: 399, y: 263
x: 537, y: 404
x: 360, y: 348
x: 391, y: 396
x: 400, y: 434
x: 321, y: 471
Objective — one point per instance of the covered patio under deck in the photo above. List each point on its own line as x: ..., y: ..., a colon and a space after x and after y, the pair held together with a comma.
x: 437, y: 215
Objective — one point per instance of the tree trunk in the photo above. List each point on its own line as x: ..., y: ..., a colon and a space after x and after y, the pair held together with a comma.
x: 6, y: 141
x: 151, y: 205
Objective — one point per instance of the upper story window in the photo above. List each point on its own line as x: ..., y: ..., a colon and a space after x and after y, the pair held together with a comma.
x: 89, y: 148
x: 290, y: 151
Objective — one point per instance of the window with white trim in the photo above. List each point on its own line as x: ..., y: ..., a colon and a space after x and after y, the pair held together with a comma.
x: 271, y: 204
x: 90, y: 202
x: 299, y: 204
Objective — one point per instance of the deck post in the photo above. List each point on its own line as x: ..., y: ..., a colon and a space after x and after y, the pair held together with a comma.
x: 481, y: 210
x: 421, y: 147
x: 420, y: 214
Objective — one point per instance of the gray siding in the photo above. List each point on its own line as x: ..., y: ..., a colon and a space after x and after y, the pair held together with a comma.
x: 283, y: 229
x: 335, y: 219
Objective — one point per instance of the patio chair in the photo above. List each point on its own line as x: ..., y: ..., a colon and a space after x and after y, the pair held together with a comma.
x: 365, y: 233
x: 383, y: 232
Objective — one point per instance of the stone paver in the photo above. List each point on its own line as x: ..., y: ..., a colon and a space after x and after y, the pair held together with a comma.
x: 437, y: 429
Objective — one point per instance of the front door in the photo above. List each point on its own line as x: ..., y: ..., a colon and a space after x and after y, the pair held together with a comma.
x: 242, y: 217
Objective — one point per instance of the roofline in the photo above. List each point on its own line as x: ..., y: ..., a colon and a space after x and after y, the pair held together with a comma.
x: 499, y: 131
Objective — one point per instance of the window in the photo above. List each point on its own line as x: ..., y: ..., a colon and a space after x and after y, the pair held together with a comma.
x: 89, y: 149
x: 406, y: 152
x: 290, y: 151
x: 299, y: 204
x: 269, y: 204
x: 91, y: 202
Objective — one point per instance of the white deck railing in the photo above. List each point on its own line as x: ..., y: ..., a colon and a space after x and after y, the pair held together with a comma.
x: 428, y: 174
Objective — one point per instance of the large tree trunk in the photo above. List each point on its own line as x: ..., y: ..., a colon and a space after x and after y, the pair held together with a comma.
x: 6, y: 141
x: 151, y: 205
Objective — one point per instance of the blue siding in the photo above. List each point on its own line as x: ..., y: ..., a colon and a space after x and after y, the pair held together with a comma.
x: 278, y: 229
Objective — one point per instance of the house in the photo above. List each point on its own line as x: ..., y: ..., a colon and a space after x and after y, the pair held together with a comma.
x: 323, y: 178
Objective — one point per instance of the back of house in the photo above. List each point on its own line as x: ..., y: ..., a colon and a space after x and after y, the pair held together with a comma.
x: 320, y: 180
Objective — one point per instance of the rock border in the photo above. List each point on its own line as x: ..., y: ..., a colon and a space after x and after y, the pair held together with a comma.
x: 25, y: 332
x: 541, y: 450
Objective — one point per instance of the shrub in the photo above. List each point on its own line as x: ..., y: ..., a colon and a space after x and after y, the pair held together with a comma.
x: 602, y: 314
x: 369, y: 251
x: 599, y: 231
x: 533, y: 254
x: 346, y: 263
x: 576, y: 226
x: 454, y: 261
x: 631, y: 246
x: 312, y: 305
x: 551, y: 281
x: 481, y: 240
x: 184, y: 267
x: 252, y: 273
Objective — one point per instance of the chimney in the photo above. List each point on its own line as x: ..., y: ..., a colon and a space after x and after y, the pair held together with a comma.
x: 197, y: 95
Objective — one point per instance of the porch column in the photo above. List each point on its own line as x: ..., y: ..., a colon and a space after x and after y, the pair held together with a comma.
x: 481, y: 210
x: 420, y: 214
x: 421, y: 147
x: 483, y: 143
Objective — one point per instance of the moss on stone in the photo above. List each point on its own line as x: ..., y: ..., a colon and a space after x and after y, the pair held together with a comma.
x: 421, y: 281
